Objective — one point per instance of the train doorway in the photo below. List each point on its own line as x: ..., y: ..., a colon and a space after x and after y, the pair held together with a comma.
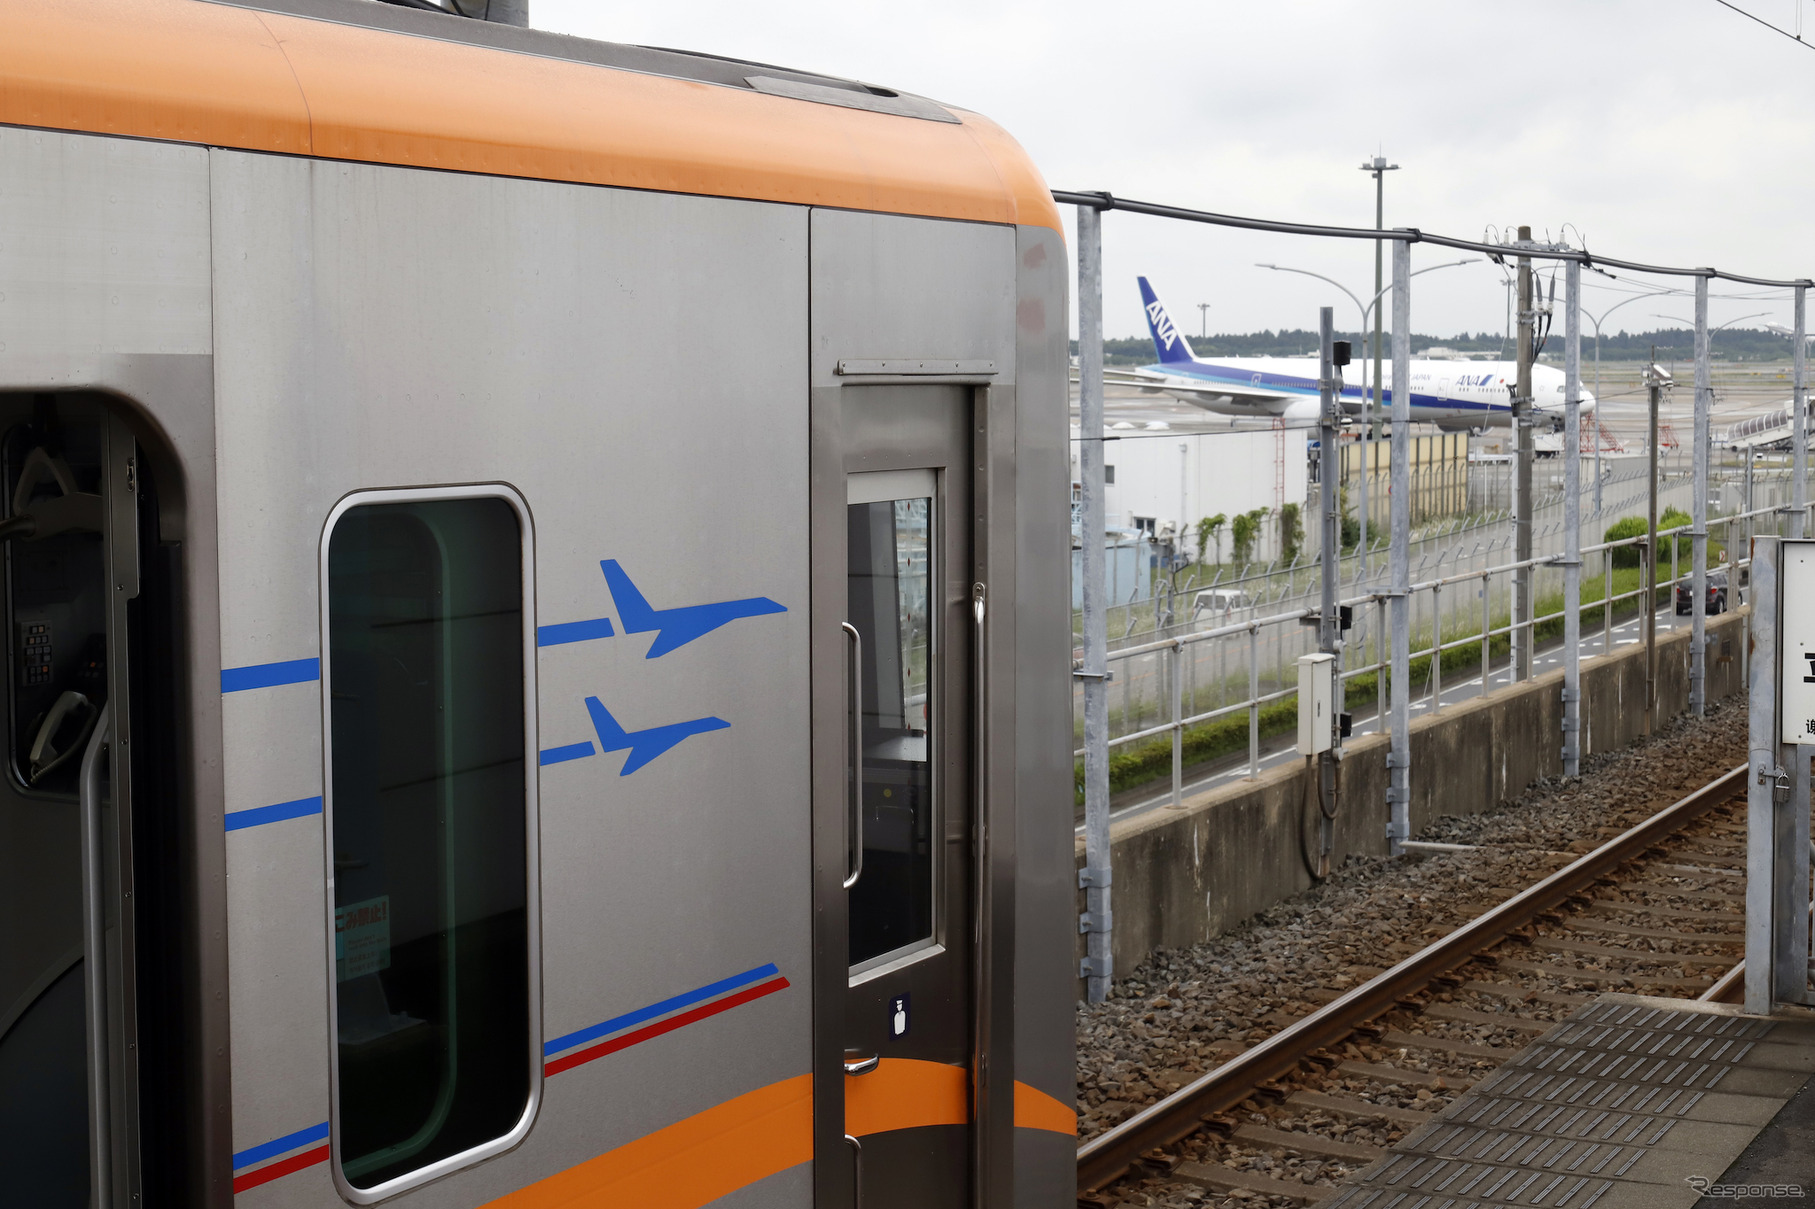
x: 85, y: 890
x: 904, y: 720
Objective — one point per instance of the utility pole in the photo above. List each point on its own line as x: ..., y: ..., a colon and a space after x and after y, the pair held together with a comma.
x: 1094, y: 878
x: 1654, y: 387
x: 1332, y: 356
x: 1698, y: 532
x: 1371, y: 401
x: 1521, y: 408
x: 1572, y: 519
x: 1203, y: 320
x: 1799, y: 428
x: 1399, y: 753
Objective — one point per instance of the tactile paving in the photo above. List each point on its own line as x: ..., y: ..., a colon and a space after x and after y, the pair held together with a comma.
x: 1613, y: 1107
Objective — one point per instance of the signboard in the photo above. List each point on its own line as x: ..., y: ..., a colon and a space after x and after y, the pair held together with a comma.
x: 1796, y: 643
x: 362, y: 938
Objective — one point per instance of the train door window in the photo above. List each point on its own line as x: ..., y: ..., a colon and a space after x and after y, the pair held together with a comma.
x: 429, y: 634
x: 891, y: 577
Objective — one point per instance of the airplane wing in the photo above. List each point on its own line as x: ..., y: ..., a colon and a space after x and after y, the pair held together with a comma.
x: 1226, y: 396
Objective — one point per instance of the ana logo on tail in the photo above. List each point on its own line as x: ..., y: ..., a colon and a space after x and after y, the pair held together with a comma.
x: 1169, y: 344
x: 678, y: 626
x: 643, y: 745
x: 1163, y: 331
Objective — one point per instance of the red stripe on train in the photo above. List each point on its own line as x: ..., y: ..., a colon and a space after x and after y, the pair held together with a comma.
x: 283, y: 1167
x: 578, y: 1057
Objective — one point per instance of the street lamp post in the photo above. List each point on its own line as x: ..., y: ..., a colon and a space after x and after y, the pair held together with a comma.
x: 1717, y: 327
x: 1597, y: 383
x: 1361, y: 544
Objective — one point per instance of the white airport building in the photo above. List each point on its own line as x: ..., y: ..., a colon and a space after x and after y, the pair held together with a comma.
x: 1168, y: 473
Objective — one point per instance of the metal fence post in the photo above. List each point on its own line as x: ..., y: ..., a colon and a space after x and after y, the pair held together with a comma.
x: 1178, y: 729
x: 1097, y: 966
x: 1572, y: 519
x: 1398, y: 794
x: 1764, y: 770
x: 1487, y: 625
x: 1607, y: 604
x: 1799, y: 425
x: 1381, y: 658
x: 1698, y: 535
x: 1253, y: 702
x: 1437, y: 644
x: 1675, y: 575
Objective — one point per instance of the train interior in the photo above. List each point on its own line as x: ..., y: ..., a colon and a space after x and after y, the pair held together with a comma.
x: 79, y: 867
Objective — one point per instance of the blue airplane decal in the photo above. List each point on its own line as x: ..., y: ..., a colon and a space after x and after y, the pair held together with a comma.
x: 643, y: 745
x: 678, y: 626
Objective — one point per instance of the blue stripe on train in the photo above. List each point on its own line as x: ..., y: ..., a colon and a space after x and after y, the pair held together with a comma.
x: 686, y: 999
x: 257, y: 816
x: 277, y: 1146
x: 573, y: 631
x: 269, y: 675
x: 572, y: 751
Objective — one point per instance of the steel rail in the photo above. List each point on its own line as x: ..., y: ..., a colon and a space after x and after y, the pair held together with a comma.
x: 1108, y: 1156
x: 1728, y: 988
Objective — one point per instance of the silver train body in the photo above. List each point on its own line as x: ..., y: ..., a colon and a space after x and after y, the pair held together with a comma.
x: 524, y: 691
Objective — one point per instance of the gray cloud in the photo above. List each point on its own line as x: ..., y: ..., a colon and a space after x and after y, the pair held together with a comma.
x: 1669, y: 132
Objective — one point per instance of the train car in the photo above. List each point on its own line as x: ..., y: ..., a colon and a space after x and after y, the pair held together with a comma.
x: 536, y: 625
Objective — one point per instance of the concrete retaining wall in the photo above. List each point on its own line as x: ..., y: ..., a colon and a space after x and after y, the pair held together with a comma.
x: 1185, y: 875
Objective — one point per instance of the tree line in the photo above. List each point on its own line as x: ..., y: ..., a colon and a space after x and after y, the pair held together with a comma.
x: 1729, y: 344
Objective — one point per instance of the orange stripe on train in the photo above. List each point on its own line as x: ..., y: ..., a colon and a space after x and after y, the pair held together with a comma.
x: 732, y: 1145
x: 903, y: 1093
x: 692, y: 1162
x: 259, y: 81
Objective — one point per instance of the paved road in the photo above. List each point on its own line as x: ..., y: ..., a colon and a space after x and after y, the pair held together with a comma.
x: 1282, y: 749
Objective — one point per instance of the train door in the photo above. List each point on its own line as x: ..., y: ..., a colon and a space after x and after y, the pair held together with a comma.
x: 904, y: 718
x: 70, y: 1028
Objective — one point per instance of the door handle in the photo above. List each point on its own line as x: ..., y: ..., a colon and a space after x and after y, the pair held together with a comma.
x: 94, y: 963
x: 858, y: 1063
x: 980, y: 807
x: 854, y: 805
x: 982, y: 998
x: 856, y: 1171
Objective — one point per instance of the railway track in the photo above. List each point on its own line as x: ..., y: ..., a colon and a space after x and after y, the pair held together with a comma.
x: 1287, y: 1118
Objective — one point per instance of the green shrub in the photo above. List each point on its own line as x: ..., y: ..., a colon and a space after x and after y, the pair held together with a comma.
x: 1634, y: 526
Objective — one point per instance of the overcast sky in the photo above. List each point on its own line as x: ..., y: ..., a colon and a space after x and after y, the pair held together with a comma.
x: 1670, y: 131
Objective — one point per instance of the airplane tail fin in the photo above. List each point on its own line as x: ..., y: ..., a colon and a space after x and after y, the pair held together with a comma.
x: 633, y: 610
x: 612, y: 736
x: 1168, y: 341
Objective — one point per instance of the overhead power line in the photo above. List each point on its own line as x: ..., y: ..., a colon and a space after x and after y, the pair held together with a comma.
x: 1794, y: 37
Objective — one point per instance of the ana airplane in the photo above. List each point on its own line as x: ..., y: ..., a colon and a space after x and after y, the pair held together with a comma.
x: 643, y: 745
x: 1450, y: 394
x: 677, y: 626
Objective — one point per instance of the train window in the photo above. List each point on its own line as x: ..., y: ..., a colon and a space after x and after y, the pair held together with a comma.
x: 890, y: 603
x: 429, y: 637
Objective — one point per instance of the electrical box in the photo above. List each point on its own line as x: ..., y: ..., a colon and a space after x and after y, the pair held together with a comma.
x: 1316, y: 691
x: 1796, y: 642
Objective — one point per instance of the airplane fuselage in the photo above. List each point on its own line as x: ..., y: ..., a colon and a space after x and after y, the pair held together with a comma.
x: 1452, y: 394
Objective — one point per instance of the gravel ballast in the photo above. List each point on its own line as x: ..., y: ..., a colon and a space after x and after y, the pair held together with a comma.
x: 1184, y: 1011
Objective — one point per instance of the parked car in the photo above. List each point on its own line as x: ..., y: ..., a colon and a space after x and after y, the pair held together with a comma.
x: 1218, y: 601
x: 1717, y: 595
